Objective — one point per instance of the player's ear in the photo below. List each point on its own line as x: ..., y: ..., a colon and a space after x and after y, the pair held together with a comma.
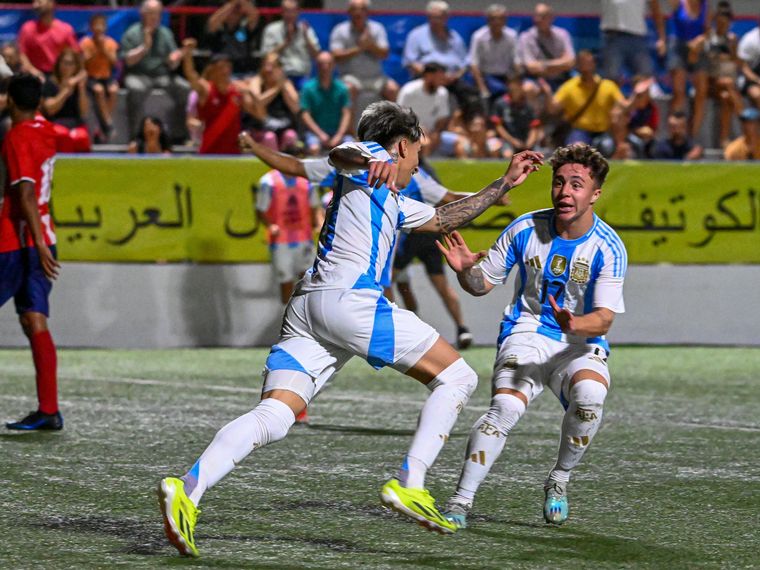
x: 595, y: 195
x: 402, y: 145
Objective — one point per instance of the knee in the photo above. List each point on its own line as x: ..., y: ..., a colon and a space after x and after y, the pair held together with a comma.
x: 32, y: 323
x: 587, y: 396
x: 97, y: 88
x: 459, y: 376
x: 505, y: 411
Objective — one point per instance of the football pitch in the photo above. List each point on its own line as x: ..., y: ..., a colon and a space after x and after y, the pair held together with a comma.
x: 671, y: 481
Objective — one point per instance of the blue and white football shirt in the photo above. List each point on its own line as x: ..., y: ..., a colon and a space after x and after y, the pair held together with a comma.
x: 582, y: 274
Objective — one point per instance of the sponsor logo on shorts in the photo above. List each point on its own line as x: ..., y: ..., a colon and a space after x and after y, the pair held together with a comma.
x: 488, y: 429
x: 511, y: 362
x: 586, y: 415
x: 580, y: 271
x: 598, y: 359
x: 558, y: 264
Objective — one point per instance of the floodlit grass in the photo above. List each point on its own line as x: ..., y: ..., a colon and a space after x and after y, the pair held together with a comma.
x: 671, y: 481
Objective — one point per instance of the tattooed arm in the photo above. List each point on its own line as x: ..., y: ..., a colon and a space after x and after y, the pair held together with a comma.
x: 465, y: 263
x: 456, y: 214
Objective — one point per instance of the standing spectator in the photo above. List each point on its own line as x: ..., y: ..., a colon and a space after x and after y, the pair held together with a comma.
x: 545, y: 50
x: 325, y: 108
x: 747, y: 146
x: 624, y: 37
x: 151, y: 56
x: 359, y: 46
x: 294, y: 40
x: 65, y: 102
x: 40, y: 41
x: 690, y: 19
x: 493, y: 53
x: 11, y: 55
x: 643, y: 122
x: 749, y: 53
x: 151, y: 138
x: 429, y: 99
x: 678, y: 145
x: 100, y: 53
x: 220, y: 102
x: 275, y: 106
x: 514, y: 119
x: 290, y: 209
x: 719, y: 48
x: 235, y: 30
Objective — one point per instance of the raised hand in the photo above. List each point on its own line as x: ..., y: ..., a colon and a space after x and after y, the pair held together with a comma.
x: 246, y: 141
x: 380, y: 172
x: 522, y: 165
x: 457, y: 253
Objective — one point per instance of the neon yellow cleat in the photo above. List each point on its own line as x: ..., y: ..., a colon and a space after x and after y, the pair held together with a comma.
x: 416, y: 504
x: 180, y: 515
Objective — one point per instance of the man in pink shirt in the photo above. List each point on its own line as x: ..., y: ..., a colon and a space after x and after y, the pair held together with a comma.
x: 41, y: 41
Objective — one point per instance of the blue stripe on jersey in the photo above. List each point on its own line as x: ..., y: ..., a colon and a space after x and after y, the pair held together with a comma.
x: 369, y: 280
x: 280, y: 359
x: 329, y: 180
x: 556, y: 284
x: 373, y: 146
x: 382, y: 342
x: 386, y: 277
x: 325, y: 246
x: 618, y: 250
x: 596, y: 269
x: 412, y: 190
x: 515, y: 254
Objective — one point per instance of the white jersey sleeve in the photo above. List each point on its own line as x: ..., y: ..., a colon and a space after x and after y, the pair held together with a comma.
x: 319, y: 171
x: 506, y: 251
x: 608, y: 287
x: 264, y: 195
x: 368, y: 149
x: 430, y: 190
x: 412, y: 214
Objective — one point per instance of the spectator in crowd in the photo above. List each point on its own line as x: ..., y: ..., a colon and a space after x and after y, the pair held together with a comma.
x: 493, y: 53
x: 151, y: 138
x: 151, y: 56
x: 749, y: 54
x: 624, y: 37
x: 747, y: 146
x: 359, y: 46
x: 193, y: 122
x: 294, y: 40
x: 40, y: 41
x: 11, y: 56
x: 429, y: 99
x: 678, y: 145
x: 594, y: 107
x: 325, y: 108
x: 5, y: 70
x: 690, y: 19
x: 514, y: 120
x: 65, y: 102
x: 545, y: 50
x: 643, y: 122
x: 220, y: 102
x: 719, y: 48
x: 275, y: 106
x: 235, y: 30
x: 100, y: 53
x: 467, y: 135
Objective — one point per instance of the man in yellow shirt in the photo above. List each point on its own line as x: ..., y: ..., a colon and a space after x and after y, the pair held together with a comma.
x: 747, y: 146
x: 595, y: 107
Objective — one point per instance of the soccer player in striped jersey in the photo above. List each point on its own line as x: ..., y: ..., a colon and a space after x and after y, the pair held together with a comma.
x: 570, y: 286
x: 338, y: 311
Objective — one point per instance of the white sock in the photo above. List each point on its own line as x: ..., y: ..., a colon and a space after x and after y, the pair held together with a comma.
x: 581, y: 422
x: 450, y: 391
x: 266, y: 423
x: 487, y: 439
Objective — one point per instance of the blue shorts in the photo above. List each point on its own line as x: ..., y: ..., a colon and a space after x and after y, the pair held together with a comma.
x: 22, y: 277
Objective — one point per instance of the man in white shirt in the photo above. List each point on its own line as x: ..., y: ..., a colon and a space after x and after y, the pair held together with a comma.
x: 493, y: 53
x: 429, y: 99
x: 749, y: 54
x: 294, y: 40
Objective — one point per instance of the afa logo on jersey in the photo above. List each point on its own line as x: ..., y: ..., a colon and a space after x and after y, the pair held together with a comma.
x: 558, y: 265
x: 580, y: 271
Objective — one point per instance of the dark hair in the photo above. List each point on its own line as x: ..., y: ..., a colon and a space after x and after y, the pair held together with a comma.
x: 585, y: 155
x: 25, y: 90
x: 66, y: 52
x: 679, y: 115
x: 384, y: 123
x: 724, y: 9
x: 97, y: 16
x: 163, y: 137
x: 433, y: 67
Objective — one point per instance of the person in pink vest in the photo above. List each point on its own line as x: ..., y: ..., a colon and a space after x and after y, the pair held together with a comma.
x: 290, y: 209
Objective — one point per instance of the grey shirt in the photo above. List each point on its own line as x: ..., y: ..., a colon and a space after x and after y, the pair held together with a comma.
x: 295, y: 59
x: 155, y: 63
x: 364, y: 65
x: 492, y: 56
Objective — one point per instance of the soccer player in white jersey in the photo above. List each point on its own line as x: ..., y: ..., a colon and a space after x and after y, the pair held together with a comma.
x: 570, y: 286
x: 338, y: 311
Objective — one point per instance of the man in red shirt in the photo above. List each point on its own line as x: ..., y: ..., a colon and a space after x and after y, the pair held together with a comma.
x: 27, y: 242
x: 41, y: 41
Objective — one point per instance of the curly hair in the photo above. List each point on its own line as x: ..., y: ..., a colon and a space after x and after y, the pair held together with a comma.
x: 585, y: 155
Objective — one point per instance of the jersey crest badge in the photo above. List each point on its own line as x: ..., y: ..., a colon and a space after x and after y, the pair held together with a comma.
x: 558, y: 264
x: 580, y: 270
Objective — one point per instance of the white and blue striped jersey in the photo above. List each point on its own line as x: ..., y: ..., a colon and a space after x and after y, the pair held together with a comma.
x: 582, y: 274
x: 360, y: 229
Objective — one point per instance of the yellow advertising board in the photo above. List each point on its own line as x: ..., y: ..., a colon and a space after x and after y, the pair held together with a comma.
x: 203, y: 209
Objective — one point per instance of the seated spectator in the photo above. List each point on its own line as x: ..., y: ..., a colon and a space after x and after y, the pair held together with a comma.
x: 275, y: 106
x: 151, y: 138
x: 65, y: 102
x: 100, y: 54
x: 467, y: 136
x: 41, y: 41
x: 493, y: 53
x: 546, y: 51
x: 359, y: 46
x: 594, y: 107
x: 643, y: 122
x: 719, y: 48
x: 325, y: 108
x: 235, y: 30
x: 428, y: 98
x: 151, y: 56
x: 749, y: 54
x: 294, y: 40
x: 624, y: 37
x: 747, y: 146
x: 193, y: 122
x: 436, y: 42
x: 514, y: 120
x: 689, y: 19
x: 679, y: 145
x: 9, y: 52
x: 220, y: 102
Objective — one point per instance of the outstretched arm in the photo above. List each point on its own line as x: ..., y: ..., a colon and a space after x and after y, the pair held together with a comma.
x: 456, y: 214
x: 285, y: 163
x: 464, y: 262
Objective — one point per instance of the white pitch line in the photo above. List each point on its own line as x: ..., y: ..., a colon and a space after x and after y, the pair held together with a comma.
x: 718, y: 426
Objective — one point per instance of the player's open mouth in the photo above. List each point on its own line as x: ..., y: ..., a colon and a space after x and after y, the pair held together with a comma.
x: 564, y: 208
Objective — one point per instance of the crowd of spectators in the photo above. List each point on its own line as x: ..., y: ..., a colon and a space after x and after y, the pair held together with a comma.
x: 501, y: 92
